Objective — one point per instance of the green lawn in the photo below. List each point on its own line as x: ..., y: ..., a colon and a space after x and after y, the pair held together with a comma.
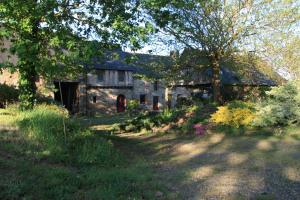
x: 170, y: 166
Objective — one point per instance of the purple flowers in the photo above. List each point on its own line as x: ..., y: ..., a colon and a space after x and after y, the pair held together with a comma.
x: 200, y: 129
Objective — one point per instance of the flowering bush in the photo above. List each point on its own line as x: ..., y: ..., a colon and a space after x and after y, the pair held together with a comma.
x: 234, y: 114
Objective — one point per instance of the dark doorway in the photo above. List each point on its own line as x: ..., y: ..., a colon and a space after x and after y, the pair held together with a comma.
x: 69, y: 91
x: 121, y: 103
x: 142, y: 99
x: 155, y: 103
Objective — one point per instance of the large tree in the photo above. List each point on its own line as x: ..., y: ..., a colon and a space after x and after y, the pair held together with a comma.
x: 49, y: 36
x: 218, y: 28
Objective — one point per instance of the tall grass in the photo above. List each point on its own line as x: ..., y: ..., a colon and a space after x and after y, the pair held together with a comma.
x: 43, y: 128
x: 82, y: 165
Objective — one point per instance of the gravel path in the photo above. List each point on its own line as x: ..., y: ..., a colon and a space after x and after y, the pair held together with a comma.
x: 220, y: 167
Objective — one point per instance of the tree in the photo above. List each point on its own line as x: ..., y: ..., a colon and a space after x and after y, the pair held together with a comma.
x: 219, y: 28
x: 49, y: 36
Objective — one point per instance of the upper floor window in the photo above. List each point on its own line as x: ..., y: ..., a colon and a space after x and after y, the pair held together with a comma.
x: 121, y: 76
x: 100, y: 75
x: 155, y: 86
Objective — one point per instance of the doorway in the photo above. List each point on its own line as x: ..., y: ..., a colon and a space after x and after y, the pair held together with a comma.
x: 155, y: 103
x: 68, y: 95
x: 121, y: 103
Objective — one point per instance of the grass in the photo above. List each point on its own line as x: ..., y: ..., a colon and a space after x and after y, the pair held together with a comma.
x: 38, y: 162
x: 254, y: 164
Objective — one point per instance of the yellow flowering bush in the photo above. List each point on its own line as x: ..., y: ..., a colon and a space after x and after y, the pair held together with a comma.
x: 232, y: 116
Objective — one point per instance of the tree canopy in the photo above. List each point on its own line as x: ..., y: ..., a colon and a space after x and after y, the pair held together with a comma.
x: 49, y: 36
x: 219, y: 27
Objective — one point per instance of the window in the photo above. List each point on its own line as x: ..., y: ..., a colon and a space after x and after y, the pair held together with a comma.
x: 121, y: 76
x: 100, y: 75
x: 94, y: 99
x: 155, y: 86
x: 142, y: 99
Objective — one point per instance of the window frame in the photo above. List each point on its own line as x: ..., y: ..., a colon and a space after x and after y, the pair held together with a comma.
x: 98, y: 73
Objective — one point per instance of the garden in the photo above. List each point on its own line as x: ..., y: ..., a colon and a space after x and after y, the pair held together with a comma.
x: 197, y: 131
x: 276, y: 110
x: 47, y: 153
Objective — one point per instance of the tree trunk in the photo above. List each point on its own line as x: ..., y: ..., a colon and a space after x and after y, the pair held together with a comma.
x: 27, y: 70
x: 27, y: 86
x: 216, y: 78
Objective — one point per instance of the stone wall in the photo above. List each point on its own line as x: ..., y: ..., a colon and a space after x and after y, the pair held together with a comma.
x: 143, y: 87
x: 106, y: 99
x: 9, y: 78
x: 177, y: 91
x: 5, y: 76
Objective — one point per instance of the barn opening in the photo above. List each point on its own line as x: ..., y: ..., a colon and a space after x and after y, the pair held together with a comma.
x: 69, y: 95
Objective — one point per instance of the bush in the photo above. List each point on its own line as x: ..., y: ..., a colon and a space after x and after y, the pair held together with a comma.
x: 281, y: 107
x: 236, y: 113
x: 149, y: 120
x: 133, y: 106
x: 183, y: 102
x: 8, y: 94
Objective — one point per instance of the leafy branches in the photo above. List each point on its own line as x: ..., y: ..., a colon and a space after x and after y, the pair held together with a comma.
x: 52, y: 37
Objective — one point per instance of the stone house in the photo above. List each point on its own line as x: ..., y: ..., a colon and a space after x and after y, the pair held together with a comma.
x: 107, y: 87
x: 109, y: 84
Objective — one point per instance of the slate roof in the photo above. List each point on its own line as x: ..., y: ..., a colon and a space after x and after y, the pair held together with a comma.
x: 155, y: 66
x: 138, y: 63
x: 233, y: 71
x: 114, y: 65
x: 229, y: 77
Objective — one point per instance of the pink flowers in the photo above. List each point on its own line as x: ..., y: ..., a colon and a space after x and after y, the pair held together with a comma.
x: 200, y: 129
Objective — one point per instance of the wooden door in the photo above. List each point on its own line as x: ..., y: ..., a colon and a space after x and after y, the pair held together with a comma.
x: 121, y: 103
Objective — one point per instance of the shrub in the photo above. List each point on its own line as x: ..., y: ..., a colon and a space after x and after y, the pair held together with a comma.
x: 183, y: 102
x: 281, y: 107
x: 133, y: 106
x: 8, y: 94
x: 236, y: 113
x: 149, y: 120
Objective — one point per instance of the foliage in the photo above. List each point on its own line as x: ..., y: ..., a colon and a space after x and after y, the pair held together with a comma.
x: 44, y: 126
x: 281, y: 107
x: 53, y: 38
x: 199, y: 116
x: 133, y: 106
x: 149, y: 120
x: 236, y: 113
x: 8, y: 94
x: 88, y: 167
x: 184, y: 102
x: 219, y: 28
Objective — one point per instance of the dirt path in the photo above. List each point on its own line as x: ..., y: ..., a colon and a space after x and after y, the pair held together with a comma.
x: 221, y: 167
